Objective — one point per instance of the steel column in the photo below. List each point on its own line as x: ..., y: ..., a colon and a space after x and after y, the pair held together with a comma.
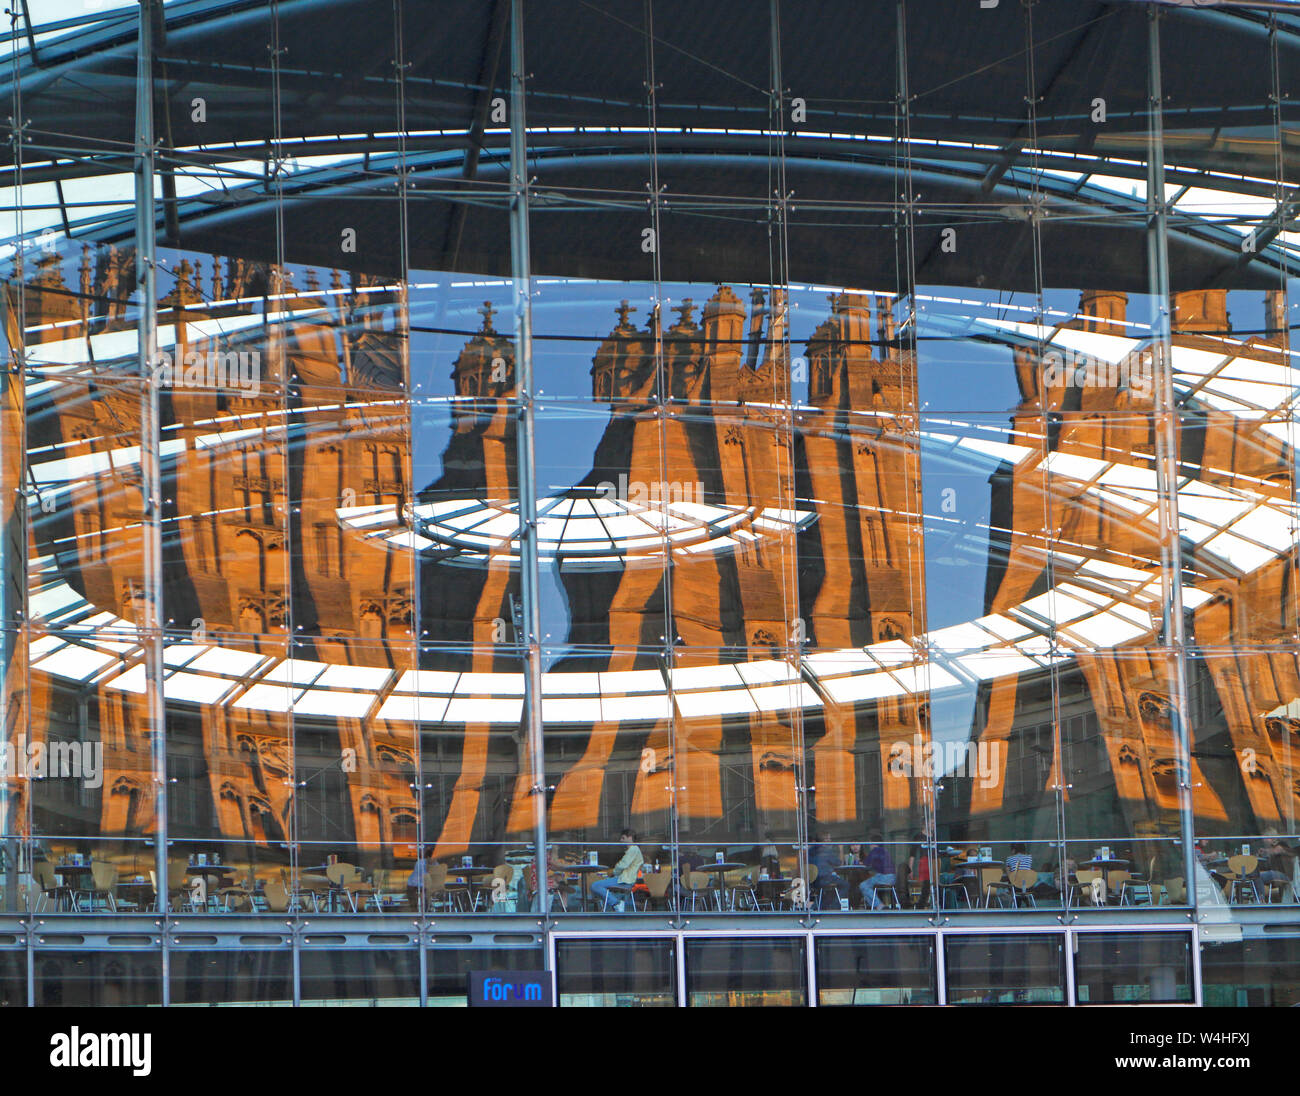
x: 1166, y: 443
x: 524, y: 435
x: 151, y: 495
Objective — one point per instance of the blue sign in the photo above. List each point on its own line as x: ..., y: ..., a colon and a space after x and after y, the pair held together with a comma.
x: 510, y: 988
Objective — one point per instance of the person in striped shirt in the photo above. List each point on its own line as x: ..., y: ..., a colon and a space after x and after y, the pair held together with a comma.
x: 1019, y: 860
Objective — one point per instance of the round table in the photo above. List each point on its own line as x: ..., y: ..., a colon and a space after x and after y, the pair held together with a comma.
x: 850, y: 870
x: 721, y: 869
x: 584, y: 872
x: 772, y: 888
x: 981, y: 892
x: 467, y: 873
x: 139, y: 891
x: 75, y: 877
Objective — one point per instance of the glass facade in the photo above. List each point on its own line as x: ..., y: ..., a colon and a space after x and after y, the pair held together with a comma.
x: 487, y: 488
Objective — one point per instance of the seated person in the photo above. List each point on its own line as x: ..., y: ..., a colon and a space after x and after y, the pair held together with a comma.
x: 1019, y: 860
x: 918, y: 865
x: 415, y: 881
x: 881, y: 866
x: 1278, y: 861
x: 554, y: 864
x: 823, y: 857
x: 625, y: 873
x: 968, y: 874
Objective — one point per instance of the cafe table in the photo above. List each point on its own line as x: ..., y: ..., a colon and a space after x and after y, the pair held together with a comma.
x: 979, y: 867
x: 584, y: 873
x: 467, y: 873
x: 74, y: 877
x: 138, y: 891
x: 720, y: 869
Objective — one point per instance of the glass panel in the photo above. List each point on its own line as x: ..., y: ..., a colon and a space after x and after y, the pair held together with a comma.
x: 1131, y: 967
x: 13, y: 979
x: 616, y: 972
x: 1122, y: 768
x: 247, y: 977
x: 1015, y: 969
x: 356, y: 977
x: 753, y: 972
x: 94, y: 979
x: 450, y: 968
x: 1252, y: 972
x: 1246, y: 749
x: 875, y: 970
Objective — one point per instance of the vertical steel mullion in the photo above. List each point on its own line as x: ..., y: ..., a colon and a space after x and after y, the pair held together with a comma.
x: 810, y: 961
x: 679, y: 942
x: 905, y: 280
x: 14, y: 546
x: 1070, y: 939
x: 526, y: 478
x: 1198, y: 992
x: 404, y: 323
x: 150, y: 626
x: 1166, y: 440
x: 940, y: 968
x: 548, y: 947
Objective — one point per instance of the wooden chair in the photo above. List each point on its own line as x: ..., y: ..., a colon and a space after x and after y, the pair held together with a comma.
x: 1139, y: 886
x: 178, y: 885
x: 657, y: 884
x: 1115, y: 881
x: 436, y: 895
x: 314, y: 889
x: 1022, y: 885
x: 955, y: 890
x: 51, y: 889
x: 1176, y: 891
x: 1240, y: 884
x: 1088, y: 882
x: 738, y: 883
x: 504, y: 872
x: 696, y: 883
x: 882, y: 891
x: 103, y: 878
x: 992, y: 882
x: 238, y: 895
x: 278, y: 898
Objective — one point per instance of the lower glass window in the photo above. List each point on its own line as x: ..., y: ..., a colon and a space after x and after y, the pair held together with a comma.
x: 13, y: 979
x: 875, y: 970
x: 94, y: 979
x: 215, y: 977
x: 1132, y: 967
x: 450, y: 967
x: 1005, y: 969
x: 752, y: 971
x: 616, y: 972
x: 359, y: 977
x: 1254, y: 972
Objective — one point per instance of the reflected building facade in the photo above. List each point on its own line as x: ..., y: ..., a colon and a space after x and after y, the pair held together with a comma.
x: 960, y: 527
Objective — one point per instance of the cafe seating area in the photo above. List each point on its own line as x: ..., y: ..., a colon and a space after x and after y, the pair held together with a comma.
x: 973, y: 879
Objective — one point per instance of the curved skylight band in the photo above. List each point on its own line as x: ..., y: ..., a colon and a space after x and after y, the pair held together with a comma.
x: 579, y: 528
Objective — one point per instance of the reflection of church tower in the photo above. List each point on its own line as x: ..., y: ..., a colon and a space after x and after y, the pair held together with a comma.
x: 1118, y: 703
x: 485, y: 367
